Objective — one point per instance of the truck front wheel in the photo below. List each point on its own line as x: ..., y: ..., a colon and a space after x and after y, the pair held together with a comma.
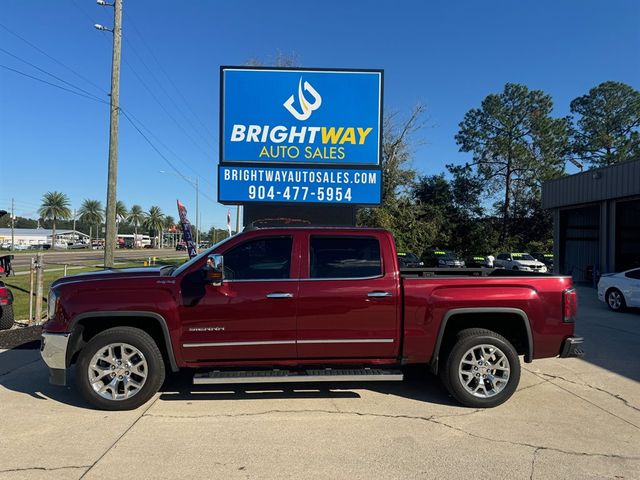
x: 483, y: 369
x: 119, y: 369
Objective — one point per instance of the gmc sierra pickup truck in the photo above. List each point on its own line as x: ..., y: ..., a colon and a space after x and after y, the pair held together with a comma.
x: 303, y: 305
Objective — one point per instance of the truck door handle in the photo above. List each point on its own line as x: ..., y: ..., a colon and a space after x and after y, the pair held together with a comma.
x: 279, y: 295
x: 379, y: 294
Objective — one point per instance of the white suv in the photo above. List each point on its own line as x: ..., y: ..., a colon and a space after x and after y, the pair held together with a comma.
x: 520, y: 261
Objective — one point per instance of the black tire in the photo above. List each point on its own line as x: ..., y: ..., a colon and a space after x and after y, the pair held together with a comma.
x: 155, y: 371
x: 466, y: 340
x: 515, y: 267
x: 6, y: 317
x: 616, y: 306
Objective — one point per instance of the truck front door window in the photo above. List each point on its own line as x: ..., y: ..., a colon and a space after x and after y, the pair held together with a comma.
x: 260, y: 259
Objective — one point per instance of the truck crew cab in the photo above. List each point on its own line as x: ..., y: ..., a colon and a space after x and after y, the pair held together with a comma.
x: 303, y: 305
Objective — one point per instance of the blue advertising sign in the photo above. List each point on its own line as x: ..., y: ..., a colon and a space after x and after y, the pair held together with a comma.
x: 266, y: 184
x: 300, y: 116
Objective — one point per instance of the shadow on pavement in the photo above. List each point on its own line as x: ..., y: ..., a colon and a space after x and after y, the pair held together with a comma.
x: 23, y: 371
x: 612, y: 339
x: 418, y: 385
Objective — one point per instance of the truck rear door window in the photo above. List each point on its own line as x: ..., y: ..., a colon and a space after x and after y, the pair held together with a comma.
x: 260, y: 259
x: 344, y: 257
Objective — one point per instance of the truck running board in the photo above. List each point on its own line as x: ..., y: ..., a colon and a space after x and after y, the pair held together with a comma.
x: 283, y: 376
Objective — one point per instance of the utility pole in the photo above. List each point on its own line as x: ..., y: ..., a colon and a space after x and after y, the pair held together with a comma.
x: 13, y: 222
x: 197, y: 217
x: 237, y: 219
x: 75, y: 237
x: 110, y: 234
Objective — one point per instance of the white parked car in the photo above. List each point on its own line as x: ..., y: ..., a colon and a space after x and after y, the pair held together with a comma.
x: 519, y: 261
x: 620, y: 290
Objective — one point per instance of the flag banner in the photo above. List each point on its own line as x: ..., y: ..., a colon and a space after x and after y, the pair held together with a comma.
x: 186, y: 230
x: 229, y: 221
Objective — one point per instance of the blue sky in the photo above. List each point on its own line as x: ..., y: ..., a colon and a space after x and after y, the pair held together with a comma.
x: 448, y: 55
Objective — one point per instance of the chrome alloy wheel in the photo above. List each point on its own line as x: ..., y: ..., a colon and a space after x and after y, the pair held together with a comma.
x: 615, y: 299
x: 117, y: 371
x: 484, y: 371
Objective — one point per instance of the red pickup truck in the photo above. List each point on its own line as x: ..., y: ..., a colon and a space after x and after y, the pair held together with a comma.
x: 303, y: 305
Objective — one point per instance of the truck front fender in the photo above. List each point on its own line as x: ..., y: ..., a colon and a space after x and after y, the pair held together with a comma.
x: 152, y: 316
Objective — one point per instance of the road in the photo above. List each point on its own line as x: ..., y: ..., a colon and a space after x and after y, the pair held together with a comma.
x: 22, y: 261
x: 570, y: 418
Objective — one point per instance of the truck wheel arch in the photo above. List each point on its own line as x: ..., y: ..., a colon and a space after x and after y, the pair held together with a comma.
x: 528, y: 354
x: 122, y: 314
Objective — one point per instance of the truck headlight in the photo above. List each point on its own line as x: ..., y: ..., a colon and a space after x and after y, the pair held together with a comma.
x: 52, y: 303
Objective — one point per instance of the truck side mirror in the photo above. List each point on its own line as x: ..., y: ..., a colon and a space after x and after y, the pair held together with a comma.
x: 214, y: 270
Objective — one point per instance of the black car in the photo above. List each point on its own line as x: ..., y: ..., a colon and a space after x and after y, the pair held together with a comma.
x: 409, y: 260
x: 477, y: 261
x: 442, y: 259
x: 6, y: 307
x: 546, y: 258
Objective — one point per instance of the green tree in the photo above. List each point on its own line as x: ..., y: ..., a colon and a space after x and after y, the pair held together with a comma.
x: 463, y: 226
x: 606, y: 124
x: 398, y: 139
x: 217, y: 234
x: 121, y: 211
x: 169, y: 223
x: 92, y: 213
x: 409, y: 222
x: 121, y: 214
x: 415, y: 227
x: 136, y: 218
x: 55, y: 205
x: 515, y: 142
x: 154, y: 221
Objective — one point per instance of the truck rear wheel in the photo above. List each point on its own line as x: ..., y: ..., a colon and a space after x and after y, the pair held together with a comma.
x: 482, y: 370
x: 6, y: 317
x: 120, y: 369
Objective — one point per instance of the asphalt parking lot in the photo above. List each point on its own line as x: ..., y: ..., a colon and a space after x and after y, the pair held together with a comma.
x: 571, y: 418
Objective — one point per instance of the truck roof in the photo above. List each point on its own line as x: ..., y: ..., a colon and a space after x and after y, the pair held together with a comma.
x: 314, y: 227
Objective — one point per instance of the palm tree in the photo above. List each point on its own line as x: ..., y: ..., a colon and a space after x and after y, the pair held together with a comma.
x: 135, y: 218
x: 121, y: 214
x: 121, y: 211
x: 154, y: 220
x: 55, y: 205
x: 169, y: 223
x: 91, y: 212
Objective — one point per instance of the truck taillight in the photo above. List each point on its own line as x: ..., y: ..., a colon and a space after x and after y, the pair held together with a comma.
x: 569, y: 305
x: 4, y: 296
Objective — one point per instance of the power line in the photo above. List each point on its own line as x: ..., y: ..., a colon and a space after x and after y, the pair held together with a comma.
x: 46, y: 72
x: 168, y: 77
x: 157, y: 150
x: 185, y: 163
x: 134, y: 71
x: 79, y: 75
x: 157, y: 100
x: 94, y: 98
x: 166, y: 93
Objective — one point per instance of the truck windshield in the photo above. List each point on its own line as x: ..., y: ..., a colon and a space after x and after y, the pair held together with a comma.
x: 445, y: 255
x: 522, y: 256
x: 195, y: 259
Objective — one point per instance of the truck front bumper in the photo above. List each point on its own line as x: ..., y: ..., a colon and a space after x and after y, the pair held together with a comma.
x: 53, y: 349
x: 572, y: 347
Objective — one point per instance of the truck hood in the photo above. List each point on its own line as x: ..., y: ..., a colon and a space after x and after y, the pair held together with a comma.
x: 110, y: 274
x: 529, y: 263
